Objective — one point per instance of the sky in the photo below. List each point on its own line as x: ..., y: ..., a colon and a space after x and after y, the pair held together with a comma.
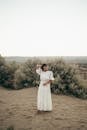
x: 43, y: 27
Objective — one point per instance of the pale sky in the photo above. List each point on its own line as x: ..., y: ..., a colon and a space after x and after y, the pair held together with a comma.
x: 43, y: 27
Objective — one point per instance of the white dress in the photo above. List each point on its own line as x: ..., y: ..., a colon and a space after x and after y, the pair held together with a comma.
x: 44, y: 101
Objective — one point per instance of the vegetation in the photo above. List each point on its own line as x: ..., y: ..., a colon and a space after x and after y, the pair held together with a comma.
x: 7, y: 73
x: 20, y: 75
x: 10, y: 128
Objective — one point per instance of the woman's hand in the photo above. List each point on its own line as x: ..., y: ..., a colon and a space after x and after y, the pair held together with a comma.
x: 44, y: 84
x: 47, y: 83
x: 38, y: 66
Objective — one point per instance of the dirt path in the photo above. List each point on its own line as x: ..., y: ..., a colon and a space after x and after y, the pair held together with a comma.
x: 18, y: 109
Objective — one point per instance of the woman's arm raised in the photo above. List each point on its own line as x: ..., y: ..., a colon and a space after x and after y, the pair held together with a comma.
x: 38, y: 69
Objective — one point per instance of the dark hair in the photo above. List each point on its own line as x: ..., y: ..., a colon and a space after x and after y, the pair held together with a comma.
x: 43, y: 65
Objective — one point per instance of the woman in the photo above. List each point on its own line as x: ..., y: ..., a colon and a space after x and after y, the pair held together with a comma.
x: 44, y: 101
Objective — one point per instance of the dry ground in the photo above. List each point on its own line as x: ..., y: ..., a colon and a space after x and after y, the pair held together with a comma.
x: 18, y: 110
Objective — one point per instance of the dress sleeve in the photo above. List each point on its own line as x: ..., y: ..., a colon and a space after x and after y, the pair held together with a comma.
x: 38, y: 71
x: 51, y: 75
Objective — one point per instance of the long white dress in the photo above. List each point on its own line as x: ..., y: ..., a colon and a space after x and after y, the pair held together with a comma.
x: 44, y: 100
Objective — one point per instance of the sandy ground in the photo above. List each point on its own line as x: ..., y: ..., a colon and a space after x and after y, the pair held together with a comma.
x: 18, y: 110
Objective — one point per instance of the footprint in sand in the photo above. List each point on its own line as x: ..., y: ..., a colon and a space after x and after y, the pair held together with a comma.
x: 58, y: 118
x: 28, y: 117
x: 11, y: 113
x: 1, y: 120
x: 25, y: 129
x: 1, y: 101
x: 82, y: 121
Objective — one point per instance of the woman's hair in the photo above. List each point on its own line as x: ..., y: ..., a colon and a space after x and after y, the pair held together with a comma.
x: 43, y: 65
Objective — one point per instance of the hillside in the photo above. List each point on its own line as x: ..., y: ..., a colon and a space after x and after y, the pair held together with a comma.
x: 68, y: 59
x: 18, y: 111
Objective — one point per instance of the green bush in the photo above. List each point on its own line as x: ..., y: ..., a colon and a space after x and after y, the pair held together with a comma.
x: 26, y: 75
x: 67, y: 81
x: 7, y: 73
x: 10, y: 128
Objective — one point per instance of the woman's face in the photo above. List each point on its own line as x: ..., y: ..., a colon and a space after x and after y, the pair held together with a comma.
x: 45, y: 68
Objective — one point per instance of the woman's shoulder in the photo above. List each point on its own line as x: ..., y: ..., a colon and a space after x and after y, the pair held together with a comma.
x: 49, y: 71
